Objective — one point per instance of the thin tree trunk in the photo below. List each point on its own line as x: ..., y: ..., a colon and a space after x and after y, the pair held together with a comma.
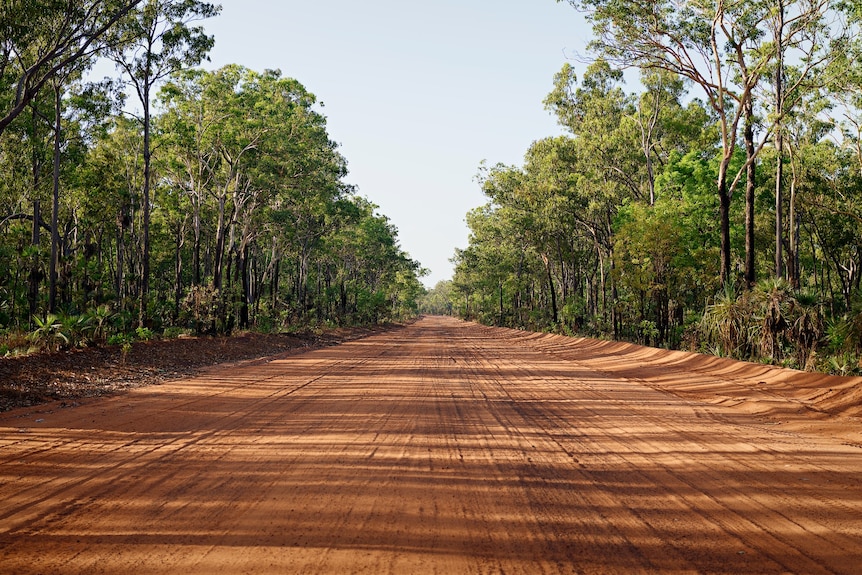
x: 554, y: 313
x: 274, y: 287
x: 55, y: 204
x: 178, y: 267
x: 615, y: 315
x: 793, y: 271
x: 246, y: 287
x: 35, y: 274
x: 120, y: 277
x: 145, y: 257
x: 500, y: 323
x: 218, y: 257
x: 196, y: 251
x: 750, y: 184
x: 779, y: 143
x: 724, y: 223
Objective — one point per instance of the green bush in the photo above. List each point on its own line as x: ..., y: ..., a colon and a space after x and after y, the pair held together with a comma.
x: 144, y: 334
x: 49, y: 332
x: 121, y: 339
x: 175, y: 332
x: 100, y: 321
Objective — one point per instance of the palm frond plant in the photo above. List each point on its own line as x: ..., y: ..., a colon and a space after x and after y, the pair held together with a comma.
x: 49, y: 332
x: 725, y: 324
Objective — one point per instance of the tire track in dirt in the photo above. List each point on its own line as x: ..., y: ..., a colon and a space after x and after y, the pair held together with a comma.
x: 443, y: 447
x: 638, y: 454
x: 60, y: 496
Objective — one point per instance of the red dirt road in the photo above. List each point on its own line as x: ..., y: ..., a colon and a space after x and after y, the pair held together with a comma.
x: 444, y: 447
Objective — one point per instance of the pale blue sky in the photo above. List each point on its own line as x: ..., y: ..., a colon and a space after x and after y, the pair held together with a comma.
x: 417, y: 94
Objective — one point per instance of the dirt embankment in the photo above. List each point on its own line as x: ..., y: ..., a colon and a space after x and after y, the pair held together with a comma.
x: 802, y: 401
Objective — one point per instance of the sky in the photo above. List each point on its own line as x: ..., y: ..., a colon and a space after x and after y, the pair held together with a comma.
x: 417, y: 94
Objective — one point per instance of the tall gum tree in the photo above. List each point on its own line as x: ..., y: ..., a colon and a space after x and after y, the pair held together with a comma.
x: 40, y: 39
x: 155, y: 40
x: 187, y: 126
x: 708, y: 43
x: 246, y: 142
x: 727, y: 47
x: 812, y: 41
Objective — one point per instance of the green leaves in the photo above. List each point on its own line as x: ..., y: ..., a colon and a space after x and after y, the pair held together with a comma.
x: 39, y: 40
x: 158, y: 38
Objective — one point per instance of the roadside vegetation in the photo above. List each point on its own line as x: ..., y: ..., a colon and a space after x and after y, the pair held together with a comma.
x: 716, y: 208
x: 168, y: 199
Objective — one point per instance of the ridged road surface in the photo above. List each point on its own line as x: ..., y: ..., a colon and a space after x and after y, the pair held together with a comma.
x: 440, y: 447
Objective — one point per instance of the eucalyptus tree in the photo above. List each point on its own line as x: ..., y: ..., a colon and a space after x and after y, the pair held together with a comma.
x: 830, y: 212
x: 251, y: 148
x: 154, y: 40
x: 727, y: 49
x: 40, y: 39
x: 113, y: 167
x: 561, y: 208
x: 516, y: 217
x: 618, y: 142
x: 45, y: 44
x: 497, y: 256
x: 308, y: 176
x: 815, y: 43
x: 296, y: 173
x: 188, y: 131
x: 236, y: 134
x: 379, y: 258
x: 511, y: 270
x: 712, y: 44
x: 570, y: 223
x: 80, y: 111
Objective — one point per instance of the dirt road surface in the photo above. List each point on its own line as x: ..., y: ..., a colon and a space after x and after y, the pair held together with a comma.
x: 444, y: 447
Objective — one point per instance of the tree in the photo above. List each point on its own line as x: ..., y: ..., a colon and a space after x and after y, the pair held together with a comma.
x: 820, y: 40
x: 38, y: 40
x: 438, y: 300
x: 715, y: 45
x: 250, y: 148
x: 156, y: 40
x: 726, y: 48
x: 191, y: 157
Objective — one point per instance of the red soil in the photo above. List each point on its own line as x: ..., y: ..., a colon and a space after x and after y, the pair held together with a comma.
x: 444, y: 447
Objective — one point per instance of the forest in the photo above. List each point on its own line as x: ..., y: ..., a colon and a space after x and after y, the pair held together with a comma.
x: 168, y: 199
x: 717, y: 207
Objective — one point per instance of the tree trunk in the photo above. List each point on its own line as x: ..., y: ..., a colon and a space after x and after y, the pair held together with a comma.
x: 35, y: 273
x: 275, y: 277
x: 178, y: 268
x: 616, y: 319
x: 120, y: 277
x: 219, y: 247
x: 750, y: 184
x: 500, y: 322
x: 145, y: 257
x: 793, y: 271
x: 55, y: 204
x: 724, y: 222
x: 246, y: 288
x: 552, y: 289
x: 779, y: 143
x: 196, y: 251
